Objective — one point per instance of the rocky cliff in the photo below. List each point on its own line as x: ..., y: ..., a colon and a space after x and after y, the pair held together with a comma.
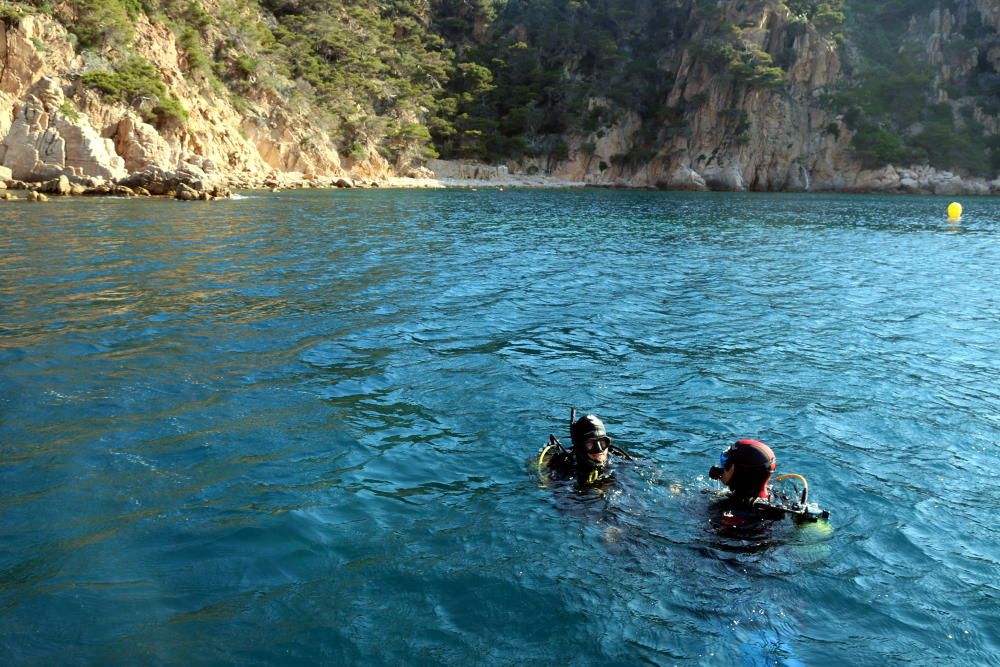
x: 743, y: 104
x: 52, y: 125
x: 742, y: 136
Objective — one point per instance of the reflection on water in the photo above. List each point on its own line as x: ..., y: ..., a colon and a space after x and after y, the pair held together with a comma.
x: 292, y: 428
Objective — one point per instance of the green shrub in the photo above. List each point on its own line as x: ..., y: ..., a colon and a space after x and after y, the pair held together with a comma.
x: 169, y: 109
x: 560, y: 152
x: 190, y: 43
x: 68, y: 109
x: 102, y: 22
x: 876, y: 145
x: 137, y: 82
x: 244, y: 65
x: 196, y: 16
x: 11, y: 15
x: 946, y: 147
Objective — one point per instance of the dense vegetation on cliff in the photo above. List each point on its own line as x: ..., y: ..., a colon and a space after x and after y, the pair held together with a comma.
x: 549, y: 60
x: 508, y: 79
x: 904, y: 107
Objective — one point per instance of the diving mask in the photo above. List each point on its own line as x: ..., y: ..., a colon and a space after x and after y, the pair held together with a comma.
x: 599, y: 444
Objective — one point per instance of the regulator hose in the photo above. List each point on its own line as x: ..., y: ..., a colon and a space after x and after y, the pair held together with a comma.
x: 541, y: 457
x: 805, y: 485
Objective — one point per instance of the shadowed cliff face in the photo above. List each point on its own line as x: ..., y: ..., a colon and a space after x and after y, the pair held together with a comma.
x: 755, y: 104
x: 735, y: 128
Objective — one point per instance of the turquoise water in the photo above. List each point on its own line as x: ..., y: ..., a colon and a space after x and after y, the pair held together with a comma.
x: 296, y: 428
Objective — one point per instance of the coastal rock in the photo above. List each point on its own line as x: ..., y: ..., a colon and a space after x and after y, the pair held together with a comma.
x: 158, y: 181
x: 467, y: 170
x: 139, y: 144
x: 420, y: 173
x: 186, y: 193
x: 977, y: 187
x: 945, y: 182
x: 725, y: 178
x: 58, y: 186
x: 43, y: 143
x: 24, y: 63
x: 21, y: 150
x: 685, y: 178
x: 877, y: 180
x: 52, y: 138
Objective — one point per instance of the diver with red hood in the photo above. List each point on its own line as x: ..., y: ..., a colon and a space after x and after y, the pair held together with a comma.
x: 746, y: 468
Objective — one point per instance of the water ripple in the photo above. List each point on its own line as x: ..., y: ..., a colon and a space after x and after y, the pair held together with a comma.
x: 310, y: 413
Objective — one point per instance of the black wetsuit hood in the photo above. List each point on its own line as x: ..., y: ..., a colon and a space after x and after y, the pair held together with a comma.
x: 585, y: 428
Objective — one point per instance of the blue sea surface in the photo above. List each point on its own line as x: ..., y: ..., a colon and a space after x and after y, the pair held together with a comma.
x: 301, y: 428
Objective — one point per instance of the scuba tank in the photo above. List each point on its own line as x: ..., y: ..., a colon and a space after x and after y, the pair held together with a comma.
x: 798, y: 508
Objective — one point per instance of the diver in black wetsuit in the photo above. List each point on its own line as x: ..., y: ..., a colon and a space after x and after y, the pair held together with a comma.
x: 590, y: 458
x: 746, y: 468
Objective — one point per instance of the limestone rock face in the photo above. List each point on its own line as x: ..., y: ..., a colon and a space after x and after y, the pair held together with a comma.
x: 88, y: 153
x: 736, y: 136
x: 45, y: 136
x: 140, y: 145
x: 22, y: 63
x: 685, y: 178
x: 44, y: 143
x: 725, y: 178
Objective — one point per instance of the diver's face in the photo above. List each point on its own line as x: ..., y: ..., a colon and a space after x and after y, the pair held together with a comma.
x: 727, y: 475
x: 597, y: 449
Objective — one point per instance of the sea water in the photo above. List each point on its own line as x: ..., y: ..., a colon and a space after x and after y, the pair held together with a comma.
x: 301, y: 428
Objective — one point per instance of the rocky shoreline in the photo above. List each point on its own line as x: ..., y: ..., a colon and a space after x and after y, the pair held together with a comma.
x: 187, y: 185
x: 117, y: 191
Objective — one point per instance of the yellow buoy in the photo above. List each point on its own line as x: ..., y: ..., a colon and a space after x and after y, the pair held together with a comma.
x: 954, y: 210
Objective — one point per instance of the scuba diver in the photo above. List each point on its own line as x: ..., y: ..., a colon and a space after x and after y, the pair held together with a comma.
x: 746, y: 468
x: 589, y: 459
